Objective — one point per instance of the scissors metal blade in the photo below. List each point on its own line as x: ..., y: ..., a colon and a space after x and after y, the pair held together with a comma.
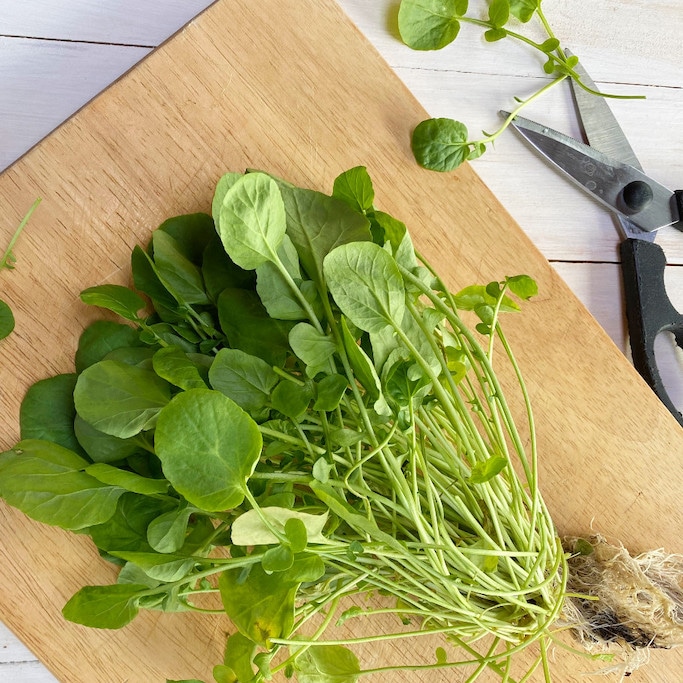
x: 600, y: 176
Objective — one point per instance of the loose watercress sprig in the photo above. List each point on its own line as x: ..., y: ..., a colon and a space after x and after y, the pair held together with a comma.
x: 302, y: 420
x: 442, y: 144
x: 7, y: 260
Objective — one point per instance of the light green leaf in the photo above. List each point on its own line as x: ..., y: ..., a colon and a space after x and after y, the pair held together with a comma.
x: 162, y: 567
x: 172, y: 364
x: 440, y: 144
x: 6, y: 320
x: 250, y: 529
x: 114, y: 476
x: 366, y: 285
x: 252, y: 220
x: 47, y: 482
x: 117, y: 298
x: 104, y: 606
x: 524, y: 9
x: 362, y: 366
x: 166, y: 533
x: 119, y: 399
x: 327, y: 664
x: 224, y: 184
x: 522, y: 286
x: 239, y: 652
x: 485, y: 470
x: 313, y: 348
x: 355, y: 188
x: 499, y: 12
x: 329, y: 392
x: 428, y: 24
x: 208, y: 447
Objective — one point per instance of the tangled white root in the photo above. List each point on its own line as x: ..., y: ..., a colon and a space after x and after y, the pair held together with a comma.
x: 624, y: 605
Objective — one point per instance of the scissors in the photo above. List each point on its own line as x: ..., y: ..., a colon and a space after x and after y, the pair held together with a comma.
x: 608, y: 170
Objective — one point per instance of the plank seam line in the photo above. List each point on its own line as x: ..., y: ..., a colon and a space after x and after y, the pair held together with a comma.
x: 77, y: 42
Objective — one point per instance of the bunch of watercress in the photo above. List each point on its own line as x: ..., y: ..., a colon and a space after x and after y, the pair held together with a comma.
x: 303, y: 419
x: 442, y: 144
x: 7, y: 261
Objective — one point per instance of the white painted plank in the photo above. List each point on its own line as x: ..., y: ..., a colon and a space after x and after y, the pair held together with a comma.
x: 45, y: 82
x: 127, y: 22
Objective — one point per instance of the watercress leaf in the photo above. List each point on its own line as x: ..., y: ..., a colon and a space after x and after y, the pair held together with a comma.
x: 47, y: 411
x: 101, y: 338
x: 172, y: 364
x: 178, y: 274
x: 522, y: 286
x: 550, y: 45
x: 440, y: 144
x: 121, y: 300
x: 327, y: 664
x: 192, y: 233
x: 102, y: 447
x: 361, y: 365
x: 477, y: 148
x: 166, y: 334
x: 250, y: 529
x: 252, y: 221
x: 126, y: 529
x: 291, y: 399
x: 499, y: 12
x: 208, y: 447
x: 493, y: 35
x: 131, y: 573
x: 277, y: 559
x: 104, y: 606
x: 485, y: 470
x: 224, y: 184
x: 329, y: 392
x: 428, y: 24
x: 396, y: 233
x: 524, y: 9
x: 355, y: 188
x: 114, y: 476
x: 239, y: 653
x: 246, y: 379
x: 47, y: 482
x: 119, y: 399
x: 146, y: 279
x: 6, y: 320
x: 297, y: 534
x: 140, y: 356
x: 312, y: 347
x: 321, y: 470
x: 317, y: 223
x: 248, y: 326
x: 166, y: 533
x: 366, y: 285
x: 220, y: 272
x: 162, y: 567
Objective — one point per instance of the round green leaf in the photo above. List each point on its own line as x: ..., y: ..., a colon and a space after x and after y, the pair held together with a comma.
x: 208, y: 447
x: 428, y: 24
x: 440, y: 144
x: 6, y: 320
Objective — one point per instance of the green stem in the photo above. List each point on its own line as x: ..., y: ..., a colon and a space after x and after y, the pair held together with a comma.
x: 7, y: 259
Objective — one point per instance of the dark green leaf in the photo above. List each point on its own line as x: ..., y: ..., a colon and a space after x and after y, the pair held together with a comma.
x: 102, y: 447
x: 173, y: 364
x: 329, y: 392
x: 47, y: 483
x: 47, y: 411
x: 246, y: 379
x: 192, y: 233
x: 104, y: 606
x: 6, y: 320
x: 428, y: 24
x: 102, y: 337
x: 208, y: 447
x: 291, y: 399
x: 219, y: 271
x: 440, y: 144
x: 147, y: 280
x: 120, y: 399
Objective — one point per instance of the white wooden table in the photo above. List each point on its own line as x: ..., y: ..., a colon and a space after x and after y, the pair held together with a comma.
x: 55, y: 55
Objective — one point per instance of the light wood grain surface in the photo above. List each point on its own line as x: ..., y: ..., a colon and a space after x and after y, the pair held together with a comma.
x: 55, y: 56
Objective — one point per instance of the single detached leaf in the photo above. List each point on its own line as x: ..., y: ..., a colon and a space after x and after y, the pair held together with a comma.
x: 252, y: 220
x: 327, y: 664
x: 428, y: 24
x: 208, y: 447
x: 486, y: 470
x: 47, y: 482
x: 47, y: 411
x: 440, y: 144
x: 116, y: 298
x: 6, y: 320
x: 355, y: 188
x: 250, y: 529
x: 104, y: 606
x: 366, y: 284
x: 120, y: 399
x: 246, y: 379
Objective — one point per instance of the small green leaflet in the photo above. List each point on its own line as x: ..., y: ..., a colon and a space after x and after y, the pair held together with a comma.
x: 486, y: 470
x: 429, y: 24
x: 6, y: 320
x: 327, y: 664
x: 104, y: 606
x: 355, y: 188
x: 441, y: 144
x: 116, y: 298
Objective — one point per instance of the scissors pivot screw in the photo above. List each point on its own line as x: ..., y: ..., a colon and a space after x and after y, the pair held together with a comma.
x: 637, y: 195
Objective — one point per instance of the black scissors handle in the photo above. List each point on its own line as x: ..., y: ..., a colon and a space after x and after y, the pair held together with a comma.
x: 648, y: 311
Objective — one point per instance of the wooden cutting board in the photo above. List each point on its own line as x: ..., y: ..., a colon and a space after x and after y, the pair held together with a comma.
x: 292, y: 87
